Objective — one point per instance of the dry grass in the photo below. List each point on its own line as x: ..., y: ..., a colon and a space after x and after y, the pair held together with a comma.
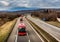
x: 55, y: 23
x: 5, y: 30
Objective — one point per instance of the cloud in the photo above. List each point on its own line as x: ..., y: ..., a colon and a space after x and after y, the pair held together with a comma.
x: 23, y: 3
x: 4, y: 3
x: 44, y: 3
x: 30, y: 3
x: 53, y: 1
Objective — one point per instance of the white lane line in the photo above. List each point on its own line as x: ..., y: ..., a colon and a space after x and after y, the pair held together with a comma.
x: 28, y: 37
x: 35, y: 32
x: 29, y: 41
x: 16, y: 36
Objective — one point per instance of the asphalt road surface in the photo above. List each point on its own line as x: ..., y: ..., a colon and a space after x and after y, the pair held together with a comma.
x: 22, y: 39
x: 31, y: 34
x: 52, y: 30
x: 58, y: 19
x: 14, y: 32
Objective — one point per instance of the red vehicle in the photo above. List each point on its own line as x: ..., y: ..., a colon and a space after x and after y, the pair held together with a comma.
x: 22, y: 29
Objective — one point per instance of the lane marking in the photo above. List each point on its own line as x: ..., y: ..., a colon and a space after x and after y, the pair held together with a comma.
x: 29, y: 41
x: 16, y: 36
x: 35, y: 32
x: 28, y: 37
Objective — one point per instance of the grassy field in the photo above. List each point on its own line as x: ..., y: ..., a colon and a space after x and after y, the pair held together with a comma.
x: 55, y: 23
x: 6, y: 29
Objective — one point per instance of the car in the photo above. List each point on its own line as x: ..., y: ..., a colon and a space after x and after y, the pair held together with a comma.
x: 22, y: 32
x: 21, y: 19
x: 22, y: 29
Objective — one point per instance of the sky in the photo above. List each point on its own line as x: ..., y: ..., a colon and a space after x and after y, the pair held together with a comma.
x: 8, y: 4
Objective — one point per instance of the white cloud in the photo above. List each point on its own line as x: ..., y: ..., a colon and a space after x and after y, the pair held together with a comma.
x: 30, y: 3
x: 4, y: 3
x: 1, y: 9
x: 53, y: 1
x: 23, y: 5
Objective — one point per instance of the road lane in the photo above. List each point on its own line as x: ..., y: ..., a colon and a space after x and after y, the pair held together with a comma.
x: 30, y: 37
x: 33, y: 37
x: 58, y: 19
x: 52, y: 30
x: 14, y: 32
x: 14, y: 35
x: 22, y: 39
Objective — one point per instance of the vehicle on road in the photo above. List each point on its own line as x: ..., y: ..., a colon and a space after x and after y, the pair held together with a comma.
x: 21, y: 29
x: 21, y: 19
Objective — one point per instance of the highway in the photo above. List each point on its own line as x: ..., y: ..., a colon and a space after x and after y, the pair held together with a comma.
x: 14, y: 32
x: 32, y: 35
x: 58, y: 19
x: 52, y: 30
